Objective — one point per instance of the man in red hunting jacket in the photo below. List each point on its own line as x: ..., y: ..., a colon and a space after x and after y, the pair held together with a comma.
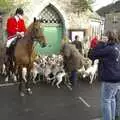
x: 15, y: 26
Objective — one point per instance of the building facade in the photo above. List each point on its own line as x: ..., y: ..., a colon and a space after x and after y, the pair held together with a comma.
x: 112, y: 22
x: 58, y: 20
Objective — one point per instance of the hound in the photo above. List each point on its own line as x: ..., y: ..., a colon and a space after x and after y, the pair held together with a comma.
x: 91, y: 71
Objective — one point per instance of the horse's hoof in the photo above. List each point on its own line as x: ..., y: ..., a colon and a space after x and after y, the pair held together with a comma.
x: 15, y: 79
x: 58, y: 86
x: 34, y: 82
x: 29, y: 91
x: 22, y: 94
x: 90, y: 83
x: 6, y: 79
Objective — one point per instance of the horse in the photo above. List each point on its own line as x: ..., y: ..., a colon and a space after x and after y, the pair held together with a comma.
x: 23, y: 54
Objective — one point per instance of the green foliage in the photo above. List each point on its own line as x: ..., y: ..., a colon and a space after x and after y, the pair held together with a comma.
x: 6, y: 5
x: 22, y: 4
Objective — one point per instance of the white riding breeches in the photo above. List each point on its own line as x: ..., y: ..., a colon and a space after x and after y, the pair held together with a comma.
x: 10, y: 41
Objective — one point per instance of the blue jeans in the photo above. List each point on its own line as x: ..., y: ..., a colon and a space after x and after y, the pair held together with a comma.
x: 118, y: 103
x: 108, y: 100
x: 74, y: 77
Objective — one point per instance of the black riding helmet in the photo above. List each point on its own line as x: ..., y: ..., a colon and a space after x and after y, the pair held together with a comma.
x: 19, y: 11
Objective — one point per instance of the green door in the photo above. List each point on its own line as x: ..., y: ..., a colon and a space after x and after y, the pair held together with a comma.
x: 53, y: 35
x: 52, y: 29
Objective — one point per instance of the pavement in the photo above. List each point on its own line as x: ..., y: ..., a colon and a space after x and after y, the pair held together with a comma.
x: 50, y: 103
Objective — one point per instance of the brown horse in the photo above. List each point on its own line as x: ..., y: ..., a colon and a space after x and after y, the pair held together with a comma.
x: 24, y: 52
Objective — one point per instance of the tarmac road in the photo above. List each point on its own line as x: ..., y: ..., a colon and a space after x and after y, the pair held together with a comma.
x: 51, y: 103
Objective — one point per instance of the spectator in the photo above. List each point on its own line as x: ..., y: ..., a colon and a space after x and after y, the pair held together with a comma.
x: 108, y: 53
x: 93, y: 42
x: 73, y: 61
x: 77, y: 43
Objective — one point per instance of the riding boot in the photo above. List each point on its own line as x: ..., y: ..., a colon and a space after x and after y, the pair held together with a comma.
x: 7, y: 51
x: 7, y: 60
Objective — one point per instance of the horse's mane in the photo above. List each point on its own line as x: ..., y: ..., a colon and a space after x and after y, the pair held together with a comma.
x: 27, y: 34
x: 29, y: 29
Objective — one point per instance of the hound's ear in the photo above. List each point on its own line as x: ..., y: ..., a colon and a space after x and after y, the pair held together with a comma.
x: 35, y: 19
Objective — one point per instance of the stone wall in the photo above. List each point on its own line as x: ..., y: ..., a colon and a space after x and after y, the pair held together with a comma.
x: 71, y: 20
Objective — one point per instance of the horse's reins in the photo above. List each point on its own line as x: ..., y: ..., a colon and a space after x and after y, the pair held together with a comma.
x: 33, y: 55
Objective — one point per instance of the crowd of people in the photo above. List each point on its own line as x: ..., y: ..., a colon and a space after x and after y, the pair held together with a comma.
x: 107, y: 50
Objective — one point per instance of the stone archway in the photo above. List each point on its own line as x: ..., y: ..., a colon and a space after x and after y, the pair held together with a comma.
x: 34, y: 10
x: 55, y: 27
x: 53, y: 30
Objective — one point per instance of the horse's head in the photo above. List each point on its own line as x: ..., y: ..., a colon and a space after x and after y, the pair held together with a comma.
x: 37, y: 33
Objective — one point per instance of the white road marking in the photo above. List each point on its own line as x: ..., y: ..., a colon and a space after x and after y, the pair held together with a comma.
x: 80, y: 98
x: 97, y: 119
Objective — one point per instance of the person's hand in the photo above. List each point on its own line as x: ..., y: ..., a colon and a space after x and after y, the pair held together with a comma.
x: 17, y: 33
x: 20, y: 34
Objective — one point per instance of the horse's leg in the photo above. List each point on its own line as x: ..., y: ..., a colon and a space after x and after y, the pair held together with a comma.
x: 13, y: 70
x: 27, y: 84
x: 7, y: 76
x: 8, y: 64
x: 21, y: 84
x: 3, y: 71
x: 24, y: 74
x: 8, y: 69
